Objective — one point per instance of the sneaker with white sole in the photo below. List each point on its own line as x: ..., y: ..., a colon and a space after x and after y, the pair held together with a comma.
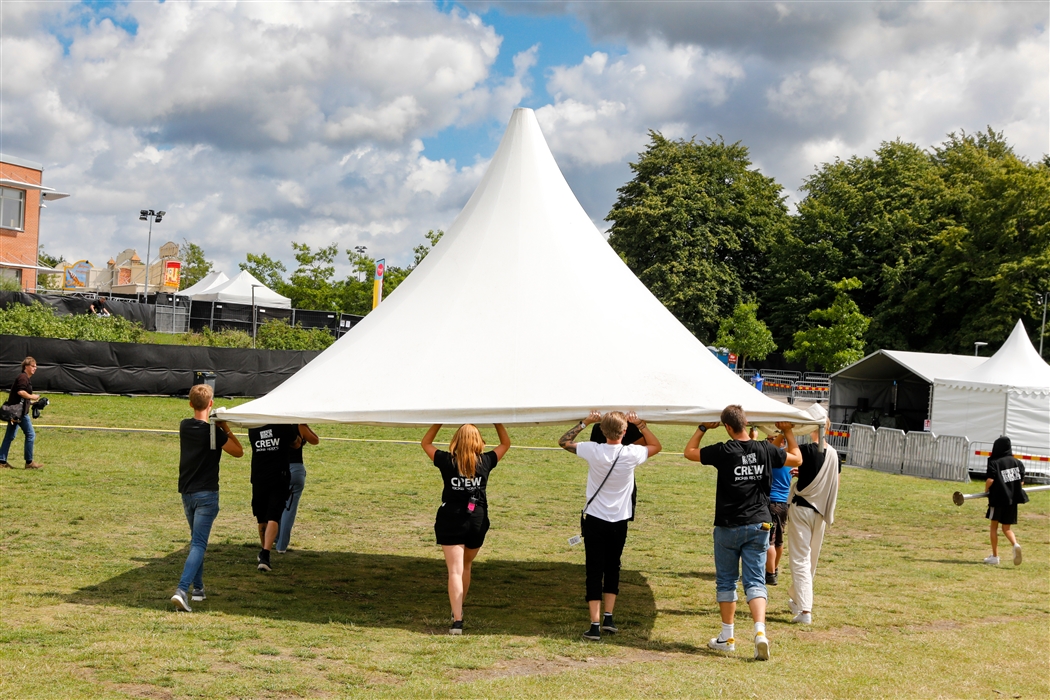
x: 264, y: 560
x: 803, y: 618
x: 180, y: 601
x: 722, y: 644
x: 761, y: 647
x: 593, y: 633
x: 198, y: 595
x: 795, y: 609
x: 1017, y: 555
x: 608, y: 625
x: 456, y: 628
x: 993, y: 560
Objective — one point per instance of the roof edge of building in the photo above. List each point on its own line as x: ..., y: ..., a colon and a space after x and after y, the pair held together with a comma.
x: 15, y: 160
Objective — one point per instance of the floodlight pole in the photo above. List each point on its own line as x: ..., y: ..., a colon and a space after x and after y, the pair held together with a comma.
x: 977, y: 346
x: 254, y: 317
x: 151, y: 216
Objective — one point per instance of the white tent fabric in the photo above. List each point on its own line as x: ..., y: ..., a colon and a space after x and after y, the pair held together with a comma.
x: 239, y: 291
x: 212, y: 279
x: 1007, y: 395
x: 522, y: 313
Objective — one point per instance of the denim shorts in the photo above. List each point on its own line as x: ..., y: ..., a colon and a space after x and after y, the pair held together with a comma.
x: 733, y: 545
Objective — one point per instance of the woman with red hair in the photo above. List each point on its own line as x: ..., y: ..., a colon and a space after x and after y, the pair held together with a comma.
x: 462, y: 520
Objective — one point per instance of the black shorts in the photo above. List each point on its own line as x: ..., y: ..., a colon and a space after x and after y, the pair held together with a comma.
x: 1007, y: 515
x: 779, y: 511
x: 269, y: 499
x: 455, y: 525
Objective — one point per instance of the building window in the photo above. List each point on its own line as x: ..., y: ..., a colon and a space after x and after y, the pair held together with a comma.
x: 12, y: 208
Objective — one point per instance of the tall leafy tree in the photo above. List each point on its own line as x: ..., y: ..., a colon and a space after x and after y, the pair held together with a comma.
x: 313, y: 285
x: 195, y: 266
x: 45, y: 259
x: 267, y: 270
x: 836, y: 338
x: 696, y: 223
x: 744, y: 334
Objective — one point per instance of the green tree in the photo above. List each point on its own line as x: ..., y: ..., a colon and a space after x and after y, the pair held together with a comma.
x: 422, y: 249
x: 837, y: 339
x: 46, y: 260
x: 267, y: 270
x: 695, y: 224
x: 195, y: 266
x: 744, y: 334
x: 313, y: 285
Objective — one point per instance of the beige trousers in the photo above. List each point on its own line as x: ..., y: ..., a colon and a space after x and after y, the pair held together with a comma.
x: 805, y: 531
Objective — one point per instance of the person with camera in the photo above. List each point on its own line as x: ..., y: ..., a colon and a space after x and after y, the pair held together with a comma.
x: 610, y: 483
x: 21, y: 397
x: 199, y: 486
x: 742, y: 518
x: 462, y: 520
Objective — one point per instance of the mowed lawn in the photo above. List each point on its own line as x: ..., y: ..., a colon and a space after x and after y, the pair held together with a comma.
x: 93, y: 546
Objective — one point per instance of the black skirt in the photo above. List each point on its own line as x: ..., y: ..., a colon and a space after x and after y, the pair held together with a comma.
x: 456, y: 525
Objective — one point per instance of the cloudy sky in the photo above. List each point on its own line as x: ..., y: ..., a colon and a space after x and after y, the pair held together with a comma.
x: 368, y: 123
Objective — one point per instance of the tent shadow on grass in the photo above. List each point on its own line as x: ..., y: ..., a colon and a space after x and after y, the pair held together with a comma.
x: 532, y: 598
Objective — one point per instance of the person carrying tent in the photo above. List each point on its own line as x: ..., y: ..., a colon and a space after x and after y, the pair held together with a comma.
x: 1004, y: 482
x: 610, y: 483
x: 462, y: 520
x: 742, y: 519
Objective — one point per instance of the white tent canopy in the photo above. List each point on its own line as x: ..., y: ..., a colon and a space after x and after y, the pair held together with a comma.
x: 239, y: 291
x: 521, y: 314
x: 1007, y: 395
x: 211, y: 280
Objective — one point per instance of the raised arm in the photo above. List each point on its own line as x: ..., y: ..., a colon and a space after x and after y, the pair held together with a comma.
x: 652, y: 443
x: 566, y: 440
x: 232, y: 446
x: 428, y: 441
x: 794, y: 455
x: 307, y: 434
x: 504, y: 441
x: 692, y: 448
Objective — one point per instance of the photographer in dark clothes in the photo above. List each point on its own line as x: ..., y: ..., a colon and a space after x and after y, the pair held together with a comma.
x: 21, y: 393
x: 742, y: 518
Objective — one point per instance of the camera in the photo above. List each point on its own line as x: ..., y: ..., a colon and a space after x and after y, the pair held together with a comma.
x: 39, y: 406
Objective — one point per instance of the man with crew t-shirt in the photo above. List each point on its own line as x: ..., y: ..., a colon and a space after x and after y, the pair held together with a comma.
x: 742, y: 519
x: 271, y: 482
x: 199, y: 486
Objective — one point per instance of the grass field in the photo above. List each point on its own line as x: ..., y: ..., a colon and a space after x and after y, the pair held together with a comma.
x: 93, y: 546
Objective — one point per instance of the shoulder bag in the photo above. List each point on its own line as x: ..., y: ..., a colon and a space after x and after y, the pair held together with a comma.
x: 583, y: 513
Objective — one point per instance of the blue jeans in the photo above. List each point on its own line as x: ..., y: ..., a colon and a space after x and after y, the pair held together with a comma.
x: 298, y: 472
x: 201, y: 508
x: 9, y: 436
x: 733, y: 544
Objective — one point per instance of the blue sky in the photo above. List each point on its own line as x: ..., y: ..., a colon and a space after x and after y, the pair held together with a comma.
x: 259, y: 124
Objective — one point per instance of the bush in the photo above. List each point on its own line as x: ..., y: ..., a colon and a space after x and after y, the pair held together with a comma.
x: 226, y: 338
x: 278, y: 335
x: 40, y: 321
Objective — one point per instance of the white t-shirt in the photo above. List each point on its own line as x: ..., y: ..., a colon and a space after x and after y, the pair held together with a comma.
x: 614, y: 500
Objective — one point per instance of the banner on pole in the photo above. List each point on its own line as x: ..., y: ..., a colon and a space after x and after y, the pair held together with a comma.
x: 377, y: 288
x: 172, y: 273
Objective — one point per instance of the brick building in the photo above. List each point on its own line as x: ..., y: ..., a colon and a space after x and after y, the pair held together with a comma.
x: 22, y: 197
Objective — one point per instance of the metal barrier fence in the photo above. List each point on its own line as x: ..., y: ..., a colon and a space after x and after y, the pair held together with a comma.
x: 889, y: 450
x: 814, y: 389
x: 838, y: 437
x: 861, y: 445
x: 173, y: 314
x: 1036, y: 460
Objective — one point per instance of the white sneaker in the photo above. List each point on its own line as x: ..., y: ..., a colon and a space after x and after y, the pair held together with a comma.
x: 803, y: 618
x: 994, y: 561
x: 795, y: 610
x: 761, y: 647
x: 1017, y: 554
x: 718, y: 644
x: 180, y: 601
x: 198, y: 595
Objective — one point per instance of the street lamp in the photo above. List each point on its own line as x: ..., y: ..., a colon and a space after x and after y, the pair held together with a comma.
x: 151, y: 216
x: 978, y: 344
x: 254, y: 317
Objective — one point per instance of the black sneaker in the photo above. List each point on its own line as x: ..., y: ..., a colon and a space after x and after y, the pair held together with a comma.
x: 198, y: 595
x: 264, y: 560
x: 771, y: 578
x: 456, y: 628
x: 608, y: 625
x: 594, y: 633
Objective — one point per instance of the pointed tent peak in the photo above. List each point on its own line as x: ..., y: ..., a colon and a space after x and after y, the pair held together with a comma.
x: 210, y: 281
x: 245, y: 289
x: 1016, y: 363
x: 521, y: 314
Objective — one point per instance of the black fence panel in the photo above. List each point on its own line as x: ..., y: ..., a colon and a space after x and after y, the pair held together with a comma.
x: 86, y: 366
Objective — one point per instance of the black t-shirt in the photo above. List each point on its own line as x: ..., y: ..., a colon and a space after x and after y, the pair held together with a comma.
x: 458, y: 489
x: 295, y: 455
x: 745, y: 476
x: 198, y: 463
x: 100, y: 306
x: 812, y: 462
x: 1007, y: 489
x: 271, y: 449
x: 630, y: 437
x: 22, y: 383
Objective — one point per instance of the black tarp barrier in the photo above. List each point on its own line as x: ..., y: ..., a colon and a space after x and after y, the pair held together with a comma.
x: 91, y: 367
x: 146, y: 314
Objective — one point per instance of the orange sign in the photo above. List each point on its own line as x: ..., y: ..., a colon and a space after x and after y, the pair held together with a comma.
x: 172, y: 271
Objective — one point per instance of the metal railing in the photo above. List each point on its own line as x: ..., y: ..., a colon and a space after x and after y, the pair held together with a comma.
x: 1036, y: 460
x: 861, y: 445
x: 892, y: 451
x: 838, y: 437
x: 889, y: 450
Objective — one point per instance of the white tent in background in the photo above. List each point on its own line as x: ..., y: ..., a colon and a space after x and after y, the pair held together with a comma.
x: 522, y: 313
x: 1007, y: 395
x: 212, y: 279
x: 239, y: 291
